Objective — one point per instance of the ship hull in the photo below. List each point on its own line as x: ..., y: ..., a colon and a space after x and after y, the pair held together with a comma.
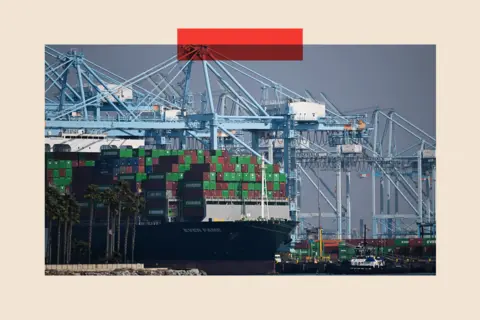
x: 243, y: 247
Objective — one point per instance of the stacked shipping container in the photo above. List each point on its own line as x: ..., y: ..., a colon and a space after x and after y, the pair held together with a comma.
x: 162, y: 175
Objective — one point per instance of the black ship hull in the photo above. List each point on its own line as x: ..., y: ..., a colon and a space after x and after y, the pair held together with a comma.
x: 242, y: 247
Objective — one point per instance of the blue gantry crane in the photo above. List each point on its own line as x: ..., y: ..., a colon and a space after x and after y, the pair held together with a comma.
x: 298, y: 131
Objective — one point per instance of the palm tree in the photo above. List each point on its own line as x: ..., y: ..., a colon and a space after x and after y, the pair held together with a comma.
x: 123, y: 193
x: 61, y: 217
x: 52, y: 208
x: 109, y: 198
x: 73, y: 218
x: 138, y: 207
x: 94, y: 195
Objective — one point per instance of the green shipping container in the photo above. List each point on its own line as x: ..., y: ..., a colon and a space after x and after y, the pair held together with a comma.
x: 429, y: 242
x: 219, y: 167
x: 174, y: 152
x: 245, y: 194
x: 251, y: 186
x: 225, y: 194
x: 269, y: 177
x: 234, y: 160
x: 200, y: 153
x: 282, y: 177
x: 257, y: 187
x: 213, y: 176
x: 188, y: 159
x: 141, y: 176
x: 56, y: 173
x: 126, y: 153
x: 276, y: 186
x: 201, y: 159
x: 238, y: 168
x: 214, y: 159
x: 172, y: 176
x: 270, y: 194
x: 68, y: 173
x: 401, y: 242
x: 141, y: 152
x: 148, y: 161
x: 276, y: 177
x: 213, y: 185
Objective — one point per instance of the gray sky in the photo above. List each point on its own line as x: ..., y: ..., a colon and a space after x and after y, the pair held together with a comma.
x: 353, y: 77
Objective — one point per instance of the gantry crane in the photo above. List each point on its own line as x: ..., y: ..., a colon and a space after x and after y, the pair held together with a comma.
x: 159, y: 105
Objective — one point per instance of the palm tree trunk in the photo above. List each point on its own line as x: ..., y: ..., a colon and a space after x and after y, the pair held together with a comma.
x: 118, y: 225
x: 49, y: 245
x: 107, y: 245
x: 134, y: 235
x: 112, y: 227
x: 90, y: 231
x: 58, y: 241
x: 70, y: 231
x: 126, y: 240
x: 65, y: 228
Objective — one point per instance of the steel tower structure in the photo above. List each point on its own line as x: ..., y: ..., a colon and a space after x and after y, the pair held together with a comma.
x: 159, y: 105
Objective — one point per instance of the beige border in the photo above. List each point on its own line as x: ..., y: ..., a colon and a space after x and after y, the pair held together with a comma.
x: 28, y: 25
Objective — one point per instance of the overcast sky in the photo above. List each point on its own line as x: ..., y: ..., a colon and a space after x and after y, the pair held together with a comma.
x: 353, y: 77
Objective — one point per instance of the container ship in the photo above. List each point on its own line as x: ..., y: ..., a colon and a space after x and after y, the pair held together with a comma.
x: 201, y: 207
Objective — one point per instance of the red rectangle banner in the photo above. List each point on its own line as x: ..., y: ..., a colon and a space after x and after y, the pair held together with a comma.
x: 240, y: 44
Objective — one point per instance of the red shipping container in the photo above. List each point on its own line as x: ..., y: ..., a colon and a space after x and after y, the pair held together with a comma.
x: 218, y: 194
x: 225, y: 153
x: 283, y: 186
x: 141, y: 169
x: 81, y: 163
x: 253, y: 160
x: 62, y: 172
x: 251, y: 194
x: 174, y: 167
x: 208, y: 159
x: 245, y: 186
x: 244, y: 168
x: 231, y: 193
x: 181, y: 159
x: 415, y: 242
x: 129, y: 169
x: 67, y: 189
x: 50, y: 173
x: 50, y: 180
x: 155, y: 161
x: 206, y: 176
x: 174, y: 193
x: 220, y: 176
x: 258, y: 177
x: 74, y: 163
x: 174, y: 185
x: 257, y: 194
x: 169, y: 185
x: 276, y: 168
x: 221, y: 160
x: 269, y: 186
x: 276, y: 194
x: 206, y: 153
x: 115, y: 178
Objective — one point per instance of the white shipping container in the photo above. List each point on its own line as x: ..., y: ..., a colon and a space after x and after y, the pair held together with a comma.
x: 302, y: 110
x: 171, y: 115
x: 122, y: 93
x: 350, y: 148
x: 279, y: 144
x: 429, y: 153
